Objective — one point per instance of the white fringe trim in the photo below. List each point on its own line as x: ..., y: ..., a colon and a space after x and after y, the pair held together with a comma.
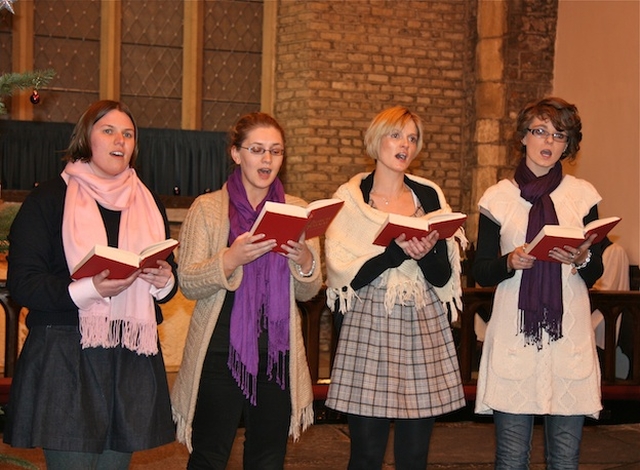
x: 403, y: 292
x: 401, y: 288
x: 183, y: 431
x: 99, y: 331
x: 301, y: 421
x: 345, y: 299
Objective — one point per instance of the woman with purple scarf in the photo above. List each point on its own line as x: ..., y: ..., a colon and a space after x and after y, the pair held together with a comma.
x: 539, y: 355
x: 244, y: 358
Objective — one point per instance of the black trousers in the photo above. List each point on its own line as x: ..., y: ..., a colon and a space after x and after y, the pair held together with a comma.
x: 369, y: 441
x: 221, y: 407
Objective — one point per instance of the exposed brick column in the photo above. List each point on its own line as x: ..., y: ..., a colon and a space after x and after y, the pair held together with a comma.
x: 514, y: 64
x: 490, y: 102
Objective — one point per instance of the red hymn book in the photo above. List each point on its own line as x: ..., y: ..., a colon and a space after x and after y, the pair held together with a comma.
x: 551, y: 236
x: 122, y: 263
x: 418, y: 227
x: 284, y: 222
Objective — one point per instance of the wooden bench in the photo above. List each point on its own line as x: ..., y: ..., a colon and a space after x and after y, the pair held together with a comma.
x: 610, y: 303
x: 12, y: 316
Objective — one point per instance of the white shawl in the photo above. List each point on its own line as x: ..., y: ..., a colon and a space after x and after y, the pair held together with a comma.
x: 349, y: 244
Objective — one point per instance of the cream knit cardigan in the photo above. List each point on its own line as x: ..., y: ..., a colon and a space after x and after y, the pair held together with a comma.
x: 203, y: 241
x: 349, y: 244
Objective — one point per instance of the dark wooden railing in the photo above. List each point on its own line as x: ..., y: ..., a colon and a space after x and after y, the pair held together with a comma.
x: 12, y: 316
x: 610, y: 303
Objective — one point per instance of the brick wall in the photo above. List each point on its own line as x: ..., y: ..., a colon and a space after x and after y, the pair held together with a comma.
x: 466, y: 66
x: 341, y: 62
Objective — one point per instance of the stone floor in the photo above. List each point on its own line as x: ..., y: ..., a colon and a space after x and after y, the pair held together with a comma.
x: 454, y: 446
x: 463, y: 441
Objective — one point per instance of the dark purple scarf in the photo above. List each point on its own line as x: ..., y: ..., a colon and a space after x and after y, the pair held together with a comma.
x: 262, y: 300
x: 540, y: 300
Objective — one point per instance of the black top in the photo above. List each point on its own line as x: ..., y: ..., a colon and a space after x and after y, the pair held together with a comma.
x: 38, y: 276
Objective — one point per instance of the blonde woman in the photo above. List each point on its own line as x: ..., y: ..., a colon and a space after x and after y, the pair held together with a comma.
x: 395, y: 359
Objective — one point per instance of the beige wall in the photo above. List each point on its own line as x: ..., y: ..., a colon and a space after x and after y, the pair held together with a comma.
x: 597, y: 68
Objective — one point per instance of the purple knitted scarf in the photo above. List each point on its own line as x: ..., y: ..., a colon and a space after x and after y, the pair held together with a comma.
x: 262, y: 300
x: 540, y: 300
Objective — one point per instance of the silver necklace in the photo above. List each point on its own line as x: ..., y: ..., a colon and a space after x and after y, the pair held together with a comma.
x: 384, y: 199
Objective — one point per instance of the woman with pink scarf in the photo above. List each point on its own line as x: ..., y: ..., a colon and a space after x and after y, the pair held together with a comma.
x: 90, y: 386
x: 244, y: 358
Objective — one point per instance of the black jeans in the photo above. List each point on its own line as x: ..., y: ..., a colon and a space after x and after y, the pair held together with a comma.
x: 221, y: 406
x: 369, y: 441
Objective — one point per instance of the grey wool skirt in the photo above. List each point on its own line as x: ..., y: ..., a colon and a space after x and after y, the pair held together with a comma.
x: 67, y: 398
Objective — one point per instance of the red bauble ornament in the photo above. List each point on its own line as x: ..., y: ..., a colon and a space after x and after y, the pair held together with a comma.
x: 35, y: 97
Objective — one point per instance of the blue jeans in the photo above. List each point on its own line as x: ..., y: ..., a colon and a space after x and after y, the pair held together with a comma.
x: 562, y: 436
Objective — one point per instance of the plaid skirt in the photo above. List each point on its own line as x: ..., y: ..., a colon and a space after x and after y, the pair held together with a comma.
x: 67, y: 398
x: 400, y: 365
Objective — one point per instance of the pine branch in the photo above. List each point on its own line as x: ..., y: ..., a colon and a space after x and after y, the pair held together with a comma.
x: 10, y: 82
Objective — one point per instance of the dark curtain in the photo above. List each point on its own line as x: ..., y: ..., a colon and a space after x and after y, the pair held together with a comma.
x: 170, y: 161
x: 187, y: 162
x: 31, y: 152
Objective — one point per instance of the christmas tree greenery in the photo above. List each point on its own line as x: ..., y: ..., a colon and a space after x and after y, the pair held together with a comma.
x: 9, y: 82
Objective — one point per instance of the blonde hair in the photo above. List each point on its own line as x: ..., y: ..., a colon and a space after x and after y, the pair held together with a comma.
x: 387, y: 121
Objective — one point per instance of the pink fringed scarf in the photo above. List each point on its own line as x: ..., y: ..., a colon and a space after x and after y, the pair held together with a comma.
x: 129, y: 318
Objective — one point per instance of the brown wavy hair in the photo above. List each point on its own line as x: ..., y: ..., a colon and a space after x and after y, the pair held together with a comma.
x: 564, y: 117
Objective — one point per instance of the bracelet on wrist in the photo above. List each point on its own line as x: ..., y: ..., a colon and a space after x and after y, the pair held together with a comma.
x: 584, y: 263
x: 310, y: 272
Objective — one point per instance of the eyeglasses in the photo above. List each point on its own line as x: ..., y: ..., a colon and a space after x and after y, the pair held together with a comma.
x: 543, y: 134
x: 257, y: 150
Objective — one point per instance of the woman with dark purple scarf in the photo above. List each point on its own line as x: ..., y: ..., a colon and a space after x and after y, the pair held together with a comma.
x: 539, y: 355
x: 244, y: 359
